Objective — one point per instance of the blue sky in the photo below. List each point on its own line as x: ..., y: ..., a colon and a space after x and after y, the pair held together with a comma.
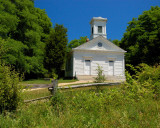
x: 75, y: 15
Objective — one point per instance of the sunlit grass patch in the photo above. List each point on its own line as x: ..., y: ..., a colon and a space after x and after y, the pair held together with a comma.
x: 33, y: 94
x: 43, y: 81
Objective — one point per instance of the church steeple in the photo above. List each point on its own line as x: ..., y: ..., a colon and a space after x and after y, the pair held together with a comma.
x: 98, y: 27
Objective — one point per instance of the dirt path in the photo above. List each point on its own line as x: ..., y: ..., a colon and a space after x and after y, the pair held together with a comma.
x: 33, y: 87
x: 76, y: 82
x: 42, y: 86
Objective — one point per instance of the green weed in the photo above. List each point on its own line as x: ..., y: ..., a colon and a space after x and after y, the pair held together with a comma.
x: 133, y: 104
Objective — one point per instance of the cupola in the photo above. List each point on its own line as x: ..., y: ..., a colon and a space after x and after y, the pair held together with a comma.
x: 98, y: 27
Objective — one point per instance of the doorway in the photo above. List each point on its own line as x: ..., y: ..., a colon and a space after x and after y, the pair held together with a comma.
x: 111, y: 68
x: 87, y: 67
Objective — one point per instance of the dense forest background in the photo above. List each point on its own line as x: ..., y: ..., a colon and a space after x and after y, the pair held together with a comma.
x: 142, y: 38
x: 33, y: 47
x: 29, y: 39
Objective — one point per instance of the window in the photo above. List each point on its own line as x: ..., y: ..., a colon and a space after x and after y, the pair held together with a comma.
x: 87, y: 60
x: 92, y: 30
x: 99, y: 29
x: 99, y: 44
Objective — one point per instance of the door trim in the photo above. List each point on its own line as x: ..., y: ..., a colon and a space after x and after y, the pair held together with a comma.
x: 84, y: 66
x: 113, y: 67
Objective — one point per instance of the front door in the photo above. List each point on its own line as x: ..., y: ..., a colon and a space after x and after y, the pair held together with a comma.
x: 87, y: 67
x: 111, y: 68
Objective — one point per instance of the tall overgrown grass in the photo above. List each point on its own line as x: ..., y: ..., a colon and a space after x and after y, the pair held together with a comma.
x: 135, y: 104
x: 89, y: 108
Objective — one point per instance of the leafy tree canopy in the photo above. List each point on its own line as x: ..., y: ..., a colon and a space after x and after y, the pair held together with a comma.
x: 56, y: 49
x: 75, y: 43
x: 142, y: 38
x: 116, y: 42
x: 24, y: 30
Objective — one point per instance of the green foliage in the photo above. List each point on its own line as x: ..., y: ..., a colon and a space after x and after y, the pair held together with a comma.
x: 146, y: 81
x: 75, y: 43
x: 10, y: 90
x: 150, y: 75
x: 2, y: 49
x: 56, y: 49
x: 14, y: 53
x: 58, y: 101
x: 132, y: 104
x: 142, y: 38
x: 24, y: 30
x: 55, y: 76
x: 100, y: 76
x: 116, y: 42
x: 128, y: 114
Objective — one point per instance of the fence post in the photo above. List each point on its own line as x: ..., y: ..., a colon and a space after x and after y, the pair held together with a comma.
x: 55, y: 85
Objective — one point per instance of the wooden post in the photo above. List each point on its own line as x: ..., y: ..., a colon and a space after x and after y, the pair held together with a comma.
x: 55, y: 85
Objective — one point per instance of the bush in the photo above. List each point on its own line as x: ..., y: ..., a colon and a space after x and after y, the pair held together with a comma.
x: 144, y: 82
x: 58, y: 101
x: 151, y: 75
x: 10, y: 90
x: 100, y: 77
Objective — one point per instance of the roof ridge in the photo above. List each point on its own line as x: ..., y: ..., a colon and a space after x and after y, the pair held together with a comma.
x: 111, y: 44
x: 85, y: 43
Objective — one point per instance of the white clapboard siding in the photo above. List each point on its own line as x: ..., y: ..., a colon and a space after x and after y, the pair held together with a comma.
x: 95, y: 59
x: 108, y: 53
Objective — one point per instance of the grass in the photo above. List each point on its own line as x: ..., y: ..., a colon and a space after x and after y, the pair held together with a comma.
x: 66, y: 81
x: 37, y: 93
x: 134, y: 104
x: 42, y: 81
x: 85, y: 108
x: 33, y: 94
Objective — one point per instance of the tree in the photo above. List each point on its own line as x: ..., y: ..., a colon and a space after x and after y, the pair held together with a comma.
x: 142, y: 38
x: 116, y: 42
x: 2, y: 49
x: 56, y: 49
x: 75, y: 43
x: 24, y: 29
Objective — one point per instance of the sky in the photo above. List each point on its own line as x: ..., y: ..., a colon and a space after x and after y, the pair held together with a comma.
x: 75, y: 15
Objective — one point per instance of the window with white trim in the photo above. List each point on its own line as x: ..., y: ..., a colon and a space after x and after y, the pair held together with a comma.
x: 99, y: 29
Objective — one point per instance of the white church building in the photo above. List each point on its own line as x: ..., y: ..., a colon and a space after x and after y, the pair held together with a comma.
x: 84, y: 59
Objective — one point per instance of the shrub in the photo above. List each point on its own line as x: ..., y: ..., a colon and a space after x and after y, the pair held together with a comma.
x: 10, y: 90
x: 151, y: 75
x: 58, y: 101
x: 146, y: 81
x: 100, y: 76
x: 148, y: 73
